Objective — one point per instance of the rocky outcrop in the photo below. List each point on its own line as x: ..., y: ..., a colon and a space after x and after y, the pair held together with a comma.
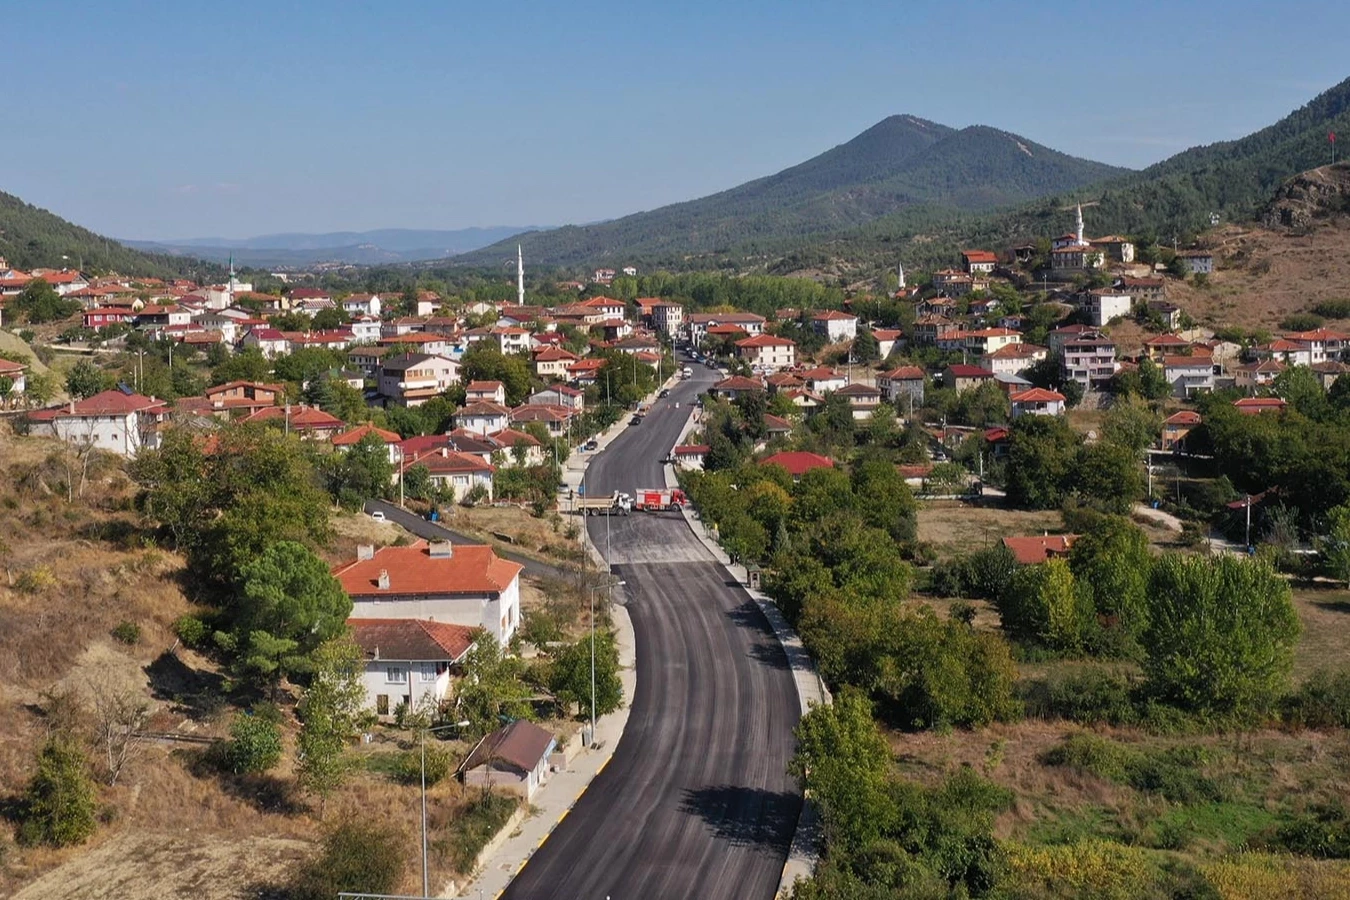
x: 1315, y: 194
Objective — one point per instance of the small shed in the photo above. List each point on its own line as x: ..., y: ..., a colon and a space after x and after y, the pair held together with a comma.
x: 752, y: 576
x: 515, y: 758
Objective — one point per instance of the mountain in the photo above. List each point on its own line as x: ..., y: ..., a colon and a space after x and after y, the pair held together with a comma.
x: 385, y: 245
x: 31, y: 237
x: 901, y: 162
x: 1231, y: 180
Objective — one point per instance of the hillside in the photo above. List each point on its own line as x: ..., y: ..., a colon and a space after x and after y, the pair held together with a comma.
x: 32, y: 237
x: 902, y: 162
x: 381, y: 246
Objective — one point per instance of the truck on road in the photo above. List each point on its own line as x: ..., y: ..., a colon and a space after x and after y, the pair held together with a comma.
x: 615, y: 504
x: 660, y: 499
x: 686, y: 372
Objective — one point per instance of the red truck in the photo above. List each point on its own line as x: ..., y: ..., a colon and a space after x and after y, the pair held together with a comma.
x: 654, y: 499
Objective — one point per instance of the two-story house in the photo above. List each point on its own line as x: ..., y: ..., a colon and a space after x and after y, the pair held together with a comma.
x: 1188, y: 375
x: 903, y: 385
x: 412, y: 379
x: 835, y: 325
x: 1090, y: 359
x: 767, y: 352
x: 117, y: 421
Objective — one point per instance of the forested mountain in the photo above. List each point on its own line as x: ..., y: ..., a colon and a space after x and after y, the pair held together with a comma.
x: 31, y: 237
x: 901, y: 162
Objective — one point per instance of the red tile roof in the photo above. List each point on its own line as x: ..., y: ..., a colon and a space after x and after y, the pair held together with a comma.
x: 905, y: 373
x: 961, y: 370
x: 112, y: 402
x: 738, y: 383
x: 1184, y: 417
x: 798, y: 462
x: 413, y: 640
x: 765, y: 340
x: 303, y: 418
x: 1037, y: 395
x: 833, y: 315
x: 356, y: 435
x: 979, y: 256
x: 1252, y: 405
x: 412, y: 570
x: 1031, y: 550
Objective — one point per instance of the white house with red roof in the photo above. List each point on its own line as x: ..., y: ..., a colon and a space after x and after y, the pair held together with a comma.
x: 16, y: 375
x: 979, y: 262
x: 309, y: 422
x: 362, y: 305
x: 270, y: 342
x: 552, y: 362
x: 349, y: 439
x: 117, y: 421
x: 454, y: 471
x: 1188, y: 375
x: 491, y: 391
x: 482, y: 417
x: 465, y: 584
x: 963, y: 377
x: 510, y: 339
x: 835, y: 326
x: 767, y: 352
x: 559, y: 395
x: 411, y: 379
x: 1037, y: 402
x: 408, y: 661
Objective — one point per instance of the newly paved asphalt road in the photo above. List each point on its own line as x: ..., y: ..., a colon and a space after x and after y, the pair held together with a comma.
x: 697, y: 801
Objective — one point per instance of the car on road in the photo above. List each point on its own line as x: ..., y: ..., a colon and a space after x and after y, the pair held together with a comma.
x: 665, y: 392
x: 378, y: 516
x: 636, y: 420
x: 712, y: 364
x: 590, y: 445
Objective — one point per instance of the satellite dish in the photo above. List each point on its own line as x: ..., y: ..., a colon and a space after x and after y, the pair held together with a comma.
x: 1213, y: 218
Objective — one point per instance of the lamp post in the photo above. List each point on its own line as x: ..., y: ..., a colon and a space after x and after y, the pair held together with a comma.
x: 610, y: 587
x: 426, y: 889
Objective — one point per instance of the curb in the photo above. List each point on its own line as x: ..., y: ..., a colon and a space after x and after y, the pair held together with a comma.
x: 804, y: 852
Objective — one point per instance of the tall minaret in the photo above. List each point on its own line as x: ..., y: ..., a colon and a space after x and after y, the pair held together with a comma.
x: 229, y: 288
x: 520, y: 276
x: 1078, y: 225
x: 900, y: 275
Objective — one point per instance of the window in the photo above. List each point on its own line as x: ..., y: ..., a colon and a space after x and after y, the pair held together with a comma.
x: 395, y: 675
x: 428, y: 671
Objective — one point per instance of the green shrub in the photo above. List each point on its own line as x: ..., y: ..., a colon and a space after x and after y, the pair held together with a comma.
x: 1173, y: 773
x: 58, y: 807
x: 1301, y: 322
x: 1090, y: 697
x: 191, y: 630
x: 1323, y: 701
x: 365, y: 857
x: 1333, y: 309
x: 475, y: 826
x: 128, y: 633
x: 255, y: 741
x: 1322, y: 832
x: 1092, y: 753
x: 408, y: 770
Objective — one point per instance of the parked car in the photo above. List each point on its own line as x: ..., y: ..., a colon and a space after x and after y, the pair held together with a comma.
x: 636, y: 420
x: 665, y: 392
x: 590, y: 445
x: 378, y: 516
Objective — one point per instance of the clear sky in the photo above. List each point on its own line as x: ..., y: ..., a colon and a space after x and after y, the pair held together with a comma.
x: 151, y: 119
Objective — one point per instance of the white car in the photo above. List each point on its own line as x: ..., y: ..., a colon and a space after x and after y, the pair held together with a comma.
x: 378, y: 516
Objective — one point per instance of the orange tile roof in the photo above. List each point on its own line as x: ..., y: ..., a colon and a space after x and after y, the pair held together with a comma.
x: 1037, y: 395
x: 412, y: 570
x: 356, y: 435
x: 798, y: 462
x: 412, y: 639
x: 1031, y: 550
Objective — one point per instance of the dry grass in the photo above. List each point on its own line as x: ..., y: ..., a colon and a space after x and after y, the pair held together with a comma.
x: 1325, y: 642
x: 955, y: 528
x: 541, y: 538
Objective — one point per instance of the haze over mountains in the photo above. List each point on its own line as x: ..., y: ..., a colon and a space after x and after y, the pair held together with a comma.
x: 901, y: 162
x: 384, y: 245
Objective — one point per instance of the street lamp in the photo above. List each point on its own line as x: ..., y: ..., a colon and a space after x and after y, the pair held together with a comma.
x: 463, y: 723
x: 610, y: 586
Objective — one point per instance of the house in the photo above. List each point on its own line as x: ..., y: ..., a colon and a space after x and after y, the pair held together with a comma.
x: 585, y: 371
x: 886, y: 339
x: 1159, y: 346
x: 367, y: 359
x: 1090, y: 359
x: 862, y: 398
x: 309, y: 422
x: 607, y: 307
x: 349, y: 439
x: 699, y: 323
x: 559, y: 395
x: 1322, y: 344
x: 101, y: 317
x: 1037, y: 402
x: 990, y: 340
x: 408, y: 661
x: 979, y: 262
x: 1292, y: 353
x: 491, y: 391
x: 1057, y: 338
x: 1116, y: 248
x: 783, y: 381
x: 1326, y: 372
x: 936, y: 306
x: 511, y: 339
x: 1146, y: 289
x: 1028, y: 551
x: 964, y: 377
x: 426, y: 342
x: 823, y: 378
x: 1013, y: 359
x: 64, y: 281
x: 14, y: 379
x: 1255, y: 375
x: 776, y: 426
x: 483, y: 417
x: 1252, y: 405
x: 1197, y: 262
x: 1075, y: 258
x: 1175, y: 428
x: 362, y: 305
x: 667, y: 318
x: 269, y: 342
x: 453, y: 471
x: 157, y: 318
x: 638, y: 344
x: 804, y: 399
x: 242, y: 397
x: 300, y: 295
x: 835, y: 326
x: 553, y: 418
x: 798, y: 462
x: 953, y: 282
x: 1168, y: 313
x: 1101, y: 305
x: 928, y: 329
x: 461, y: 585
x: 515, y: 758
x: 1188, y: 375
x: 690, y: 456
x: 412, y: 379
x: 902, y: 385
x: 736, y: 385
x: 552, y: 362
x: 516, y: 448
x: 118, y: 421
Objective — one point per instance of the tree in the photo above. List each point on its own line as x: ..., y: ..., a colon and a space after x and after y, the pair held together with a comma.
x: 119, y: 716
x: 287, y: 604
x: 1108, y: 476
x: 331, y: 714
x: 865, y: 347
x: 359, y: 858
x: 1044, y: 604
x: 484, y: 363
x: 174, y: 491
x: 1041, y: 456
x: 492, y: 688
x: 86, y: 379
x: 39, y: 303
x: 1129, y: 423
x: 360, y: 473
x: 1111, y: 562
x: 247, y: 365
x: 569, y: 676
x: 58, y: 807
x: 890, y: 503
x: 1220, y: 634
x: 1301, y: 389
x: 334, y: 395
x: 255, y: 741
x: 1335, y: 543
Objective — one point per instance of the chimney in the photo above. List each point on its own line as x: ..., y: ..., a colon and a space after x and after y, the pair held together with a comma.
x: 383, y: 583
x: 72, y: 407
x: 441, y: 549
x: 445, y: 451
x: 365, y: 551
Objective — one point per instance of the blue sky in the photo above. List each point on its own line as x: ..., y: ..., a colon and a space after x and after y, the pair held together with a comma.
x: 149, y: 119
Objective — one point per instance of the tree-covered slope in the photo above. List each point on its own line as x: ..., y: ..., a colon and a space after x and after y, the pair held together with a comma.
x: 902, y: 162
x: 31, y: 237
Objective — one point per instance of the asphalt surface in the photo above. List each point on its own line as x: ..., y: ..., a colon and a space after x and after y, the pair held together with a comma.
x: 697, y: 801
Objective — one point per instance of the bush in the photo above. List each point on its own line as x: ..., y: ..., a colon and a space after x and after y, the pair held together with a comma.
x: 1173, y: 773
x: 1091, y: 697
x: 357, y: 857
x: 1301, y: 322
x: 58, y: 808
x: 1323, y: 701
x: 128, y: 633
x: 1333, y: 309
x: 255, y: 741
x: 191, y: 630
x: 475, y: 826
x: 1322, y: 832
x: 476, y: 495
x: 408, y: 770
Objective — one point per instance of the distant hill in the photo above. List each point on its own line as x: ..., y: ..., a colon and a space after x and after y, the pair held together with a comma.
x: 902, y: 162
x: 381, y: 246
x: 31, y: 237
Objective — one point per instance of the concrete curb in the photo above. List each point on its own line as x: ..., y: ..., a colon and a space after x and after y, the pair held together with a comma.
x: 804, y: 852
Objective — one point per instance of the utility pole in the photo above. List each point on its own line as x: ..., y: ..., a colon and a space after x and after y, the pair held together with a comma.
x: 1249, y: 522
